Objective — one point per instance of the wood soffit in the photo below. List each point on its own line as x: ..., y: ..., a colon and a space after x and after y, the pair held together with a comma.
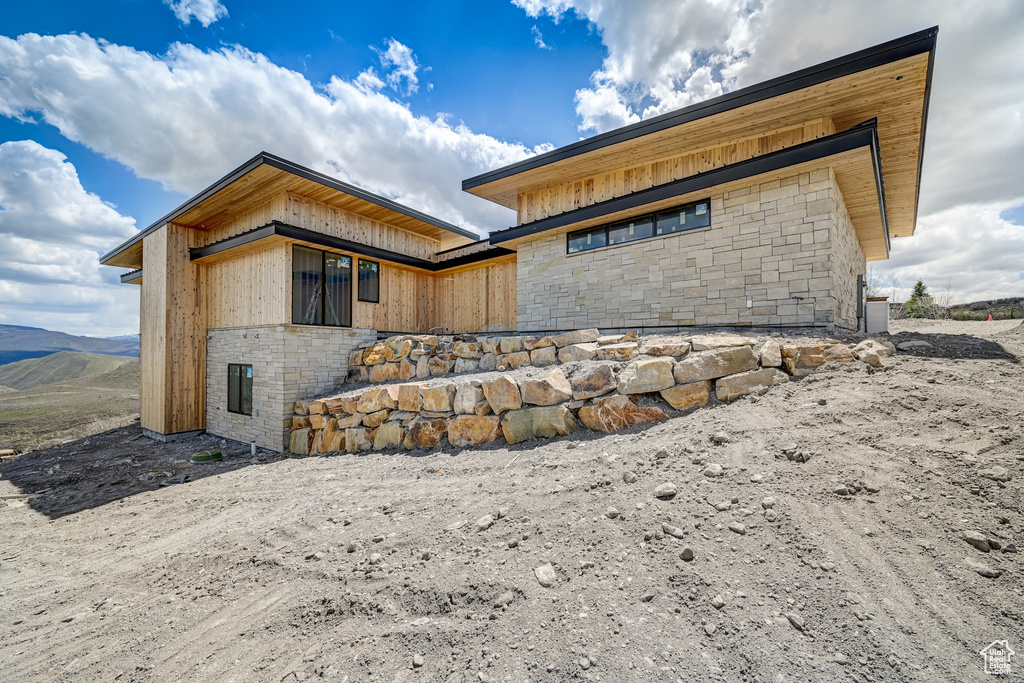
x: 266, y: 175
x: 889, y: 82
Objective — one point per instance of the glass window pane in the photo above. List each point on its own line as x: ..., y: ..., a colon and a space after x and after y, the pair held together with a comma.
x: 337, y: 289
x: 234, y: 382
x: 627, y: 231
x: 684, y: 218
x: 586, y: 239
x: 307, y: 269
x: 369, y: 281
x: 245, y: 403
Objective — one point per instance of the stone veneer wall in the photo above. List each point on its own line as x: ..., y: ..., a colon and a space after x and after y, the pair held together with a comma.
x: 288, y: 362
x: 768, y: 243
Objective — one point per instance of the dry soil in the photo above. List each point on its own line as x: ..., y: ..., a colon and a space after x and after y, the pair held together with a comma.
x: 120, y: 561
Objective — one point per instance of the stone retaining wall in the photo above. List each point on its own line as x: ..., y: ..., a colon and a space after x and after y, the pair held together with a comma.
x: 629, y: 384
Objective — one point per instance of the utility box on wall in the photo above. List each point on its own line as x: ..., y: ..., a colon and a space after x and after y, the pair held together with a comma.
x: 877, y: 317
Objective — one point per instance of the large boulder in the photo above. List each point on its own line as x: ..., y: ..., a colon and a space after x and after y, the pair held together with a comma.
x: 437, y: 399
x: 397, y: 349
x: 547, y: 391
x: 647, y: 375
x: 406, y: 369
x: 838, y: 353
x: 534, y: 343
x: 502, y: 394
x: 470, y: 400
x: 686, y: 396
x: 510, y: 345
x: 546, y: 355
x: 552, y: 421
x: 488, y: 362
x: 373, y: 420
x: 594, y: 381
x: 473, y: 430
x: 575, y: 337
x: 673, y: 349
x: 734, y: 386
x: 576, y: 352
x: 374, y: 399
x: 357, y: 439
x: 355, y: 357
x: 514, y: 361
x: 622, y: 352
x: 300, y: 441
x: 719, y: 341
x: 425, y: 432
x: 375, y: 355
x: 714, y: 364
x: 771, y: 354
x: 409, y: 397
x: 800, y: 360
x: 517, y: 425
x: 463, y: 365
x: 467, y: 350
x: 439, y: 367
x: 872, y: 352
x: 614, y: 413
x: 388, y: 435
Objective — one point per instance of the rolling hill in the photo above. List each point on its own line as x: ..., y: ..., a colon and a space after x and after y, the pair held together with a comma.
x: 19, y: 343
x: 61, y: 366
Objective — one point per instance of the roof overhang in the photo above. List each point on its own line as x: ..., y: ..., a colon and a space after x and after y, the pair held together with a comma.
x: 890, y: 82
x: 277, y: 232
x: 266, y: 175
x: 853, y: 155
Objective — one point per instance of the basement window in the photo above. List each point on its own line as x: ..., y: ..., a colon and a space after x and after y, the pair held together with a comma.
x: 321, y: 287
x: 369, y: 281
x: 239, y: 389
x: 678, y: 219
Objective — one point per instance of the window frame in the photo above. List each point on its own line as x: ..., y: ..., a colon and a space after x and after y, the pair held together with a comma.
x: 323, y: 283
x: 650, y: 216
x: 359, y: 280
x: 239, y: 391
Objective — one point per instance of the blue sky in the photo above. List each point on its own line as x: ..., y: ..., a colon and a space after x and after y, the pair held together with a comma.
x: 112, y: 113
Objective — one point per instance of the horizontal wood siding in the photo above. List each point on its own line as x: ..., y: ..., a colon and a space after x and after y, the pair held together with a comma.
x: 580, y: 192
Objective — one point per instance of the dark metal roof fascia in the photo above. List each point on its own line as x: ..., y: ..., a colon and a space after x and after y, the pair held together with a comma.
x: 131, y: 276
x: 924, y: 123
x: 891, y: 51
x: 301, y: 171
x: 277, y: 228
x: 863, y: 135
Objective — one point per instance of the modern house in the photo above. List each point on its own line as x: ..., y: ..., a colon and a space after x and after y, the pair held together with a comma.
x: 758, y: 208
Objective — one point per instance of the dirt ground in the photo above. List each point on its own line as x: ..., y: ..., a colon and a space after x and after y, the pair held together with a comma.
x: 120, y: 561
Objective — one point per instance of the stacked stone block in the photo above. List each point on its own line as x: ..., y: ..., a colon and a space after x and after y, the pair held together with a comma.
x: 787, y: 247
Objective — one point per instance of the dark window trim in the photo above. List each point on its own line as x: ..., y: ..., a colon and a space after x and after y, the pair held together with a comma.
x: 359, y: 281
x: 279, y: 229
x: 242, y: 378
x: 649, y: 215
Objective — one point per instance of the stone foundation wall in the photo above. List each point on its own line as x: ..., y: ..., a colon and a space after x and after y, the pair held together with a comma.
x: 288, y: 362
x: 635, y: 384
x: 767, y: 244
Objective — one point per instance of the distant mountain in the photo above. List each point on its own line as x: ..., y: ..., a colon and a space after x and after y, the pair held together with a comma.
x: 125, y: 337
x: 999, y: 309
x: 62, y: 366
x: 19, y: 343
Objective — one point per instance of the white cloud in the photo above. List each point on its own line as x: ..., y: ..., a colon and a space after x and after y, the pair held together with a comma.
x: 538, y: 38
x: 51, y: 233
x: 186, y: 117
x: 666, y: 55
x: 206, y: 11
x: 400, y: 67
